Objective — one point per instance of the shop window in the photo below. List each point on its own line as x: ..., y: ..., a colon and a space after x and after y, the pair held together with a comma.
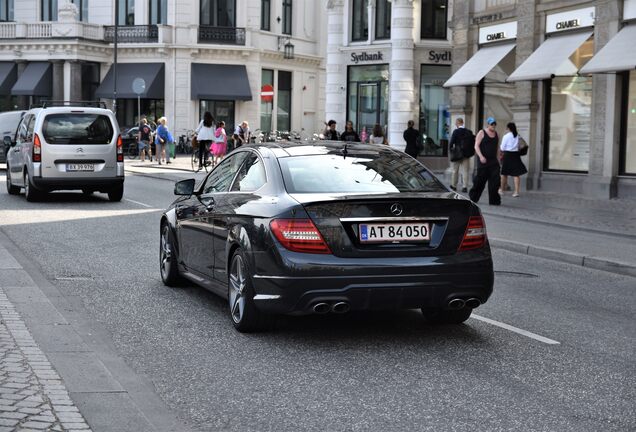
x: 434, y: 17
x: 383, y: 19
x: 267, y: 78
x: 218, y: 13
x: 6, y: 10
x: 49, y: 10
x: 283, y: 105
x: 628, y: 149
x: 90, y: 80
x: 266, y: 11
x: 221, y: 111
x: 435, y: 122
x: 569, y: 117
x: 287, y: 17
x: 127, y: 115
x: 158, y: 12
x: 126, y: 12
x: 367, y: 98
x: 360, y: 20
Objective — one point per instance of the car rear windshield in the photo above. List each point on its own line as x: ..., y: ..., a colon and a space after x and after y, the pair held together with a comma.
x: 76, y: 128
x: 374, y: 173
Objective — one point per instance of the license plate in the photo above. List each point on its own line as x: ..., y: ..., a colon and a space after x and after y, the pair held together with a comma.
x: 80, y: 167
x: 394, y: 233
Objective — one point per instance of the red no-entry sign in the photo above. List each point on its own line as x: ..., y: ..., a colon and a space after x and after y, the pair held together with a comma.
x: 267, y: 93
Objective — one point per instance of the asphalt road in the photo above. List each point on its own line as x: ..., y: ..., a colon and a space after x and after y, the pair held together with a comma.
x: 355, y: 372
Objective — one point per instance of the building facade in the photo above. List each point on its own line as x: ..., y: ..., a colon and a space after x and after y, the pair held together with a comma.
x: 386, y: 63
x: 254, y: 60
x: 564, y: 72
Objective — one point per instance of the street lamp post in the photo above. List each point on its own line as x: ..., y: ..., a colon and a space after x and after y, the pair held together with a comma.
x: 115, y: 59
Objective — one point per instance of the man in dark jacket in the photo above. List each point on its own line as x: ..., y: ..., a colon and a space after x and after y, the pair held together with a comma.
x: 460, y: 134
x: 331, y: 134
x: 411, y: 136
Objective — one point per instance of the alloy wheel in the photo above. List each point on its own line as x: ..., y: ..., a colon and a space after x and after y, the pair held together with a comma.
x: 166, y: 252
x: 237, y: 289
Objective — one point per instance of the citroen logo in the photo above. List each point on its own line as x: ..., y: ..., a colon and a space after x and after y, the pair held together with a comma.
x: 80, y: 150
x: 396, y: 209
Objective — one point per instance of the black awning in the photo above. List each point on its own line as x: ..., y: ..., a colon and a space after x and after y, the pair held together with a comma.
x: 8, y: 77
x: 219, y: 82
x: 35, y: 80
x: 152, y: 74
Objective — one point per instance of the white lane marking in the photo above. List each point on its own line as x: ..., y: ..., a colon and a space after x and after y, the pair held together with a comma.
x: 137, y: 202
x: 516, y: 330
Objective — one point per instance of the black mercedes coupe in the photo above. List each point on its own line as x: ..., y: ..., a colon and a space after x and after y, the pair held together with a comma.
x: 295, y: 228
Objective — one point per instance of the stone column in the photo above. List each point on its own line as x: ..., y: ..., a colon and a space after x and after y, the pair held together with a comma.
x: 336, y: 88
x: 401, y: 83
x: 460, y: 97
x: 57, y: 86
x: 75, y: 88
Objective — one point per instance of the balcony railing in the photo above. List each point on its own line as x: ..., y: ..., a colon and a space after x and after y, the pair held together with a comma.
x: 222, y: 35
x: 132, y: 34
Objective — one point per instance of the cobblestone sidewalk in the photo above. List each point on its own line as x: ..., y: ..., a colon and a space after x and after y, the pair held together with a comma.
x: 32, y: 395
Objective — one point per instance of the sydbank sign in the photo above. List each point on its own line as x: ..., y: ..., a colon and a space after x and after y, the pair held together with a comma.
x: 498, y: 32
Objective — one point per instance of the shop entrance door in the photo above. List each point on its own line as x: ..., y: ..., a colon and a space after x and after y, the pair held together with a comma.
x: 371, y: 105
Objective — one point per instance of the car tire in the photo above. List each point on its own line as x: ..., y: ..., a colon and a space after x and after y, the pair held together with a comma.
x: 245, y: 317
x: 12, y: 190
x: 167, y: 260
x: 116, y: 194
x: 445, y: 316
x: 30, y: 192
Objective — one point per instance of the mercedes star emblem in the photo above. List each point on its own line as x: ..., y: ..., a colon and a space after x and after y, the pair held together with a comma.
x: 396, y: 209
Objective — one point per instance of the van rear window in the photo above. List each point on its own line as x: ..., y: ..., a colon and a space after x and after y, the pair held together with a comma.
x: 71, y: 128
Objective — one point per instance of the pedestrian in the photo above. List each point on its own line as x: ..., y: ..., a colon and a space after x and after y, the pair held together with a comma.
x: 462, y: 149
x: 412, y: 137
x: 219, y: 146
x: 144, y: 139
x: 162, y: 140
x: 377, y: 136
x: 205, y: 136
x: 349, y: 134
x: 487, y: 148
x: 331, y: 134
x: 511, y: 160
x: 242, y: 134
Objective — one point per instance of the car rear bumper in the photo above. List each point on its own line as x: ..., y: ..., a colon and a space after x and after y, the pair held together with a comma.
x: 425, y: 282
x: 56, y: 183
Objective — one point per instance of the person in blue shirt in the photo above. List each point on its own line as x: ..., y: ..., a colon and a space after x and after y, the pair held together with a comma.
x: 163, y: 138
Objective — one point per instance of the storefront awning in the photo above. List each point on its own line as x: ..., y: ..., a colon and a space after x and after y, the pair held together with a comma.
x: 151, y: 73
x: 8, y: 77
x: 552, y: 58
x: 219, y: 82
x: 618, y: 54
x: 479, y: 65
x: 35, y: 80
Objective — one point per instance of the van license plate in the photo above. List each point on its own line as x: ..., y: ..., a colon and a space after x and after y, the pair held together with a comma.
x: 390, y: 233
x: 80, y: 167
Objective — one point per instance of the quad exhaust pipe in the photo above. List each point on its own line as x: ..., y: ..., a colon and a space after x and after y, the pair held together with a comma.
x: 338, y: 307
x: 457, y: 303
x: 322, y: 308
x: 341, y: 307
x: 473, y: 303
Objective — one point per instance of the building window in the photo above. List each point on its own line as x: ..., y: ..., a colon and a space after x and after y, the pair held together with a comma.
x: 82, y: 9
x: 49, y: 10
x: 568, y: 117
x: 126, y: 12
x: 221, y: 110
x: 435, y: 123
x: 266, y: 12
x: 158, y: 12
x: 287, y: 17
x: 383, y: 19
x: 267, y: 107
x: 360, y: 20
x: 6, y: 10
x: 127, y: 116
x: 218, y: 13
x: 628, y: 148
x: 434, y: 19
x: 368, y: 97
x: 283, y: 105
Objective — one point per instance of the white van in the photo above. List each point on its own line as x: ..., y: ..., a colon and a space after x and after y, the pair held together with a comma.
x: 65, y: 148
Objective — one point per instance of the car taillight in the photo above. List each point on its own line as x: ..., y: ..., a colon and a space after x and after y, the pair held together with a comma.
x: 475, y: 236
x: 299, y: 235
x: 37, y: 148
x: 120, y: 149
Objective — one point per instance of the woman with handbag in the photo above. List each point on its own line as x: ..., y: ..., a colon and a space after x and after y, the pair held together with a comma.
x: 512, y: 164
x: 205, y: 136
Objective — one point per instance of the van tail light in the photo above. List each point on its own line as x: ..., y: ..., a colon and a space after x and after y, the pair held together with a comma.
x: 37, y: 148
x: 299, y: 235
x: 120, y: 149
x: 475, y: 236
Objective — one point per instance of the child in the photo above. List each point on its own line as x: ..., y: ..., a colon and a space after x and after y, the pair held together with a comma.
x: 219, y: 146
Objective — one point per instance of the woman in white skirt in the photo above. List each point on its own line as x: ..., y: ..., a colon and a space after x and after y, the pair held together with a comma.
x: 512, y: 164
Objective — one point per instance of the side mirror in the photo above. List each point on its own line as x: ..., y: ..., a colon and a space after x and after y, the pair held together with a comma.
x: 8, y: 142
x: 184, y: 187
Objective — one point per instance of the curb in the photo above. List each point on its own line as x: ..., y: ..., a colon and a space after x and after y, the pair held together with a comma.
x: 596, y: 263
